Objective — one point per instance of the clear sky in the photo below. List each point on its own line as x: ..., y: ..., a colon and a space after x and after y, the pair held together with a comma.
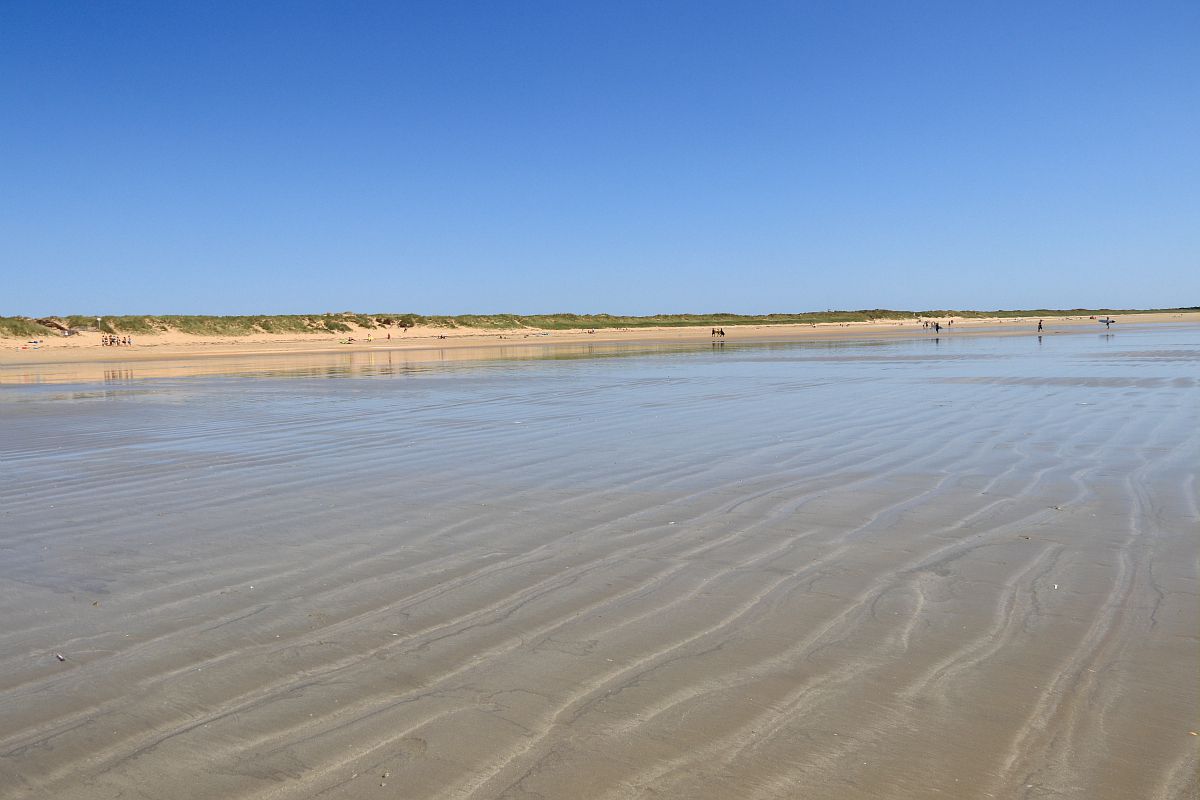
x: 455, y: 157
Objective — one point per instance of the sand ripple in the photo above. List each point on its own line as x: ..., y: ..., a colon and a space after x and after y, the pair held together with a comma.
x: 695, y: 576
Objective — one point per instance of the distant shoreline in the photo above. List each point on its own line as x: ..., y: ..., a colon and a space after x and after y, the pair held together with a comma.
x: 426, y: 343
x: 347, y: 322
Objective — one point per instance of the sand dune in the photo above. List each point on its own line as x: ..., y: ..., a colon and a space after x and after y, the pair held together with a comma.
x: 838, y: 572
x: 173, y: 353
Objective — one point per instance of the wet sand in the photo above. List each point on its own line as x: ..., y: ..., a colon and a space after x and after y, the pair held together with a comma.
x: 885, y: 569
x: 175, y: 354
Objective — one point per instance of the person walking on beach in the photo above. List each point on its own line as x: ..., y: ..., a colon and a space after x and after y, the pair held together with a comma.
x: 1039, y: 326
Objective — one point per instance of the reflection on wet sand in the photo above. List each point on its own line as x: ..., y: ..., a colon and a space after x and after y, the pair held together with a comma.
x: 369, y: 364
x: 314, y: 365
x: 83, y: 368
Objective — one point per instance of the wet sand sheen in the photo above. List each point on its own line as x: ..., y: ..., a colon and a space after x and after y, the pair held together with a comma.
x: 914, y: 570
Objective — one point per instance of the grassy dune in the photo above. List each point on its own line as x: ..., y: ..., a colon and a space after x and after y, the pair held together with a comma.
x: 234, y: 325
x: 21, y: 327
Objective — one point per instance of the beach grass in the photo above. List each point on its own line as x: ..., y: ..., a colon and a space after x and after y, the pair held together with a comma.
x: 20, y: 327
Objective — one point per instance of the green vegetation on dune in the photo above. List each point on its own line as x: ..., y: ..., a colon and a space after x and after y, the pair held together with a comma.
x: 199, y: 325
x: 599, y: 321
x: 479, y: 321
x: 23, y: 327
x: 565, y: 321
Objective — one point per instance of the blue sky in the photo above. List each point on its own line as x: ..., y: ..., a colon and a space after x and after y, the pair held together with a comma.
x: 447, y: 157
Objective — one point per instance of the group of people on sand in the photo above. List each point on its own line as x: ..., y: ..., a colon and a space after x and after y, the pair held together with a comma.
x: 718, y: 331
x: 352, y: 340
x: 110, y: 340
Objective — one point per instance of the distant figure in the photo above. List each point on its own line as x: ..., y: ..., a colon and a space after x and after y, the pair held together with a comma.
x: 1039, y: 326
x: 937, y: 327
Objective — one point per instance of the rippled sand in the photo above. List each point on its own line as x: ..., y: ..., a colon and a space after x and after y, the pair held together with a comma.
x: 899, y: 569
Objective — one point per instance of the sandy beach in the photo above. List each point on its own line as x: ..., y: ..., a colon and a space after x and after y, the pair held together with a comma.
x: 820, y: 567
x: 176, y: 354
x: 579, y: 401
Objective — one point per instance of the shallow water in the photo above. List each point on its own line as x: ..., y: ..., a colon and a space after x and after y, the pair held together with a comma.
x: 893, y: 568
